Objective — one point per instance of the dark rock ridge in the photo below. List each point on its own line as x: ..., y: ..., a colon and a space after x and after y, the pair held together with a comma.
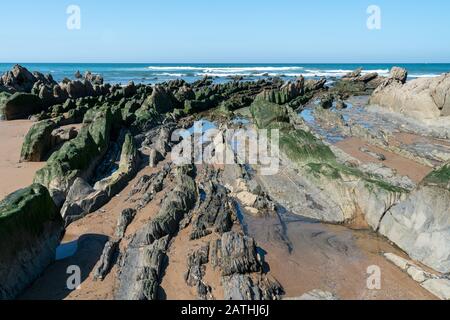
x: 30, y: 231
x: 142, y: 264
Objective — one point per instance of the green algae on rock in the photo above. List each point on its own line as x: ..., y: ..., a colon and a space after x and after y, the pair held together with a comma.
x: 38, y: 141
x: 30, y: 230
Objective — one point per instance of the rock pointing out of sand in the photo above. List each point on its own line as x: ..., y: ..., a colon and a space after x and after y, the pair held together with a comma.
x: 425, y: 98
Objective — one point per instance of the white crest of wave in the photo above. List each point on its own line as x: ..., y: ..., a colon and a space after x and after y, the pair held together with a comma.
x: 230, y: 69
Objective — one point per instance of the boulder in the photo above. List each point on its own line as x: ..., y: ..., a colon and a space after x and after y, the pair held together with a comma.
x: 314, y: 85
x: 81, y: 200
x: 141, y: 269
x: 160, y: 100
x: 19, y: 79
x: 129, y: 161
x: 106, y: 260
x: 399, y: 74
x: 235, y: 253
x: 288, y: 92
x: 239, y: 287
x: 21, y: 106
x: 38, y: 141
x: 77, y: 157
x: 420, y: 225
x: 4, y: 96
x: 125, y: 218
x: 423, y: 99
x: 30, y: 231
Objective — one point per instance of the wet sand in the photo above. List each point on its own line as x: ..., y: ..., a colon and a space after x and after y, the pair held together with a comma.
x: 93, y: 231
x: 405, y: 167
x: 304, y: 255
x: 14, y: 175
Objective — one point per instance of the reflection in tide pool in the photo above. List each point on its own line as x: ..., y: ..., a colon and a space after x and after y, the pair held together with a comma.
x: 66, y: 250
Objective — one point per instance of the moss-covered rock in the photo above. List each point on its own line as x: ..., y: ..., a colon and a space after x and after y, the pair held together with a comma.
x: 76, y: 158
x: 30, y: 230
x: 4, y: 96
x: 439, y: 177
x: 128, y: 165
x: 38, y: 141
x: 160, y: 100
x: 21, y: 106
x: 288, y: 92
x: 267, y: 114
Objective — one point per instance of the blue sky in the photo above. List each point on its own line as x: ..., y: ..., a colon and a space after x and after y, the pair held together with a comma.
x: 225, y: 31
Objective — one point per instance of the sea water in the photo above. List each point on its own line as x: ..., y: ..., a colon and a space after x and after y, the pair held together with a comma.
x: 122, y: 73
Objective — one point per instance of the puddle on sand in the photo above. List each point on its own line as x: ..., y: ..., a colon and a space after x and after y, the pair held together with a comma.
x: 66, y: 250
x: 332, y: 135
x: 304, y: 254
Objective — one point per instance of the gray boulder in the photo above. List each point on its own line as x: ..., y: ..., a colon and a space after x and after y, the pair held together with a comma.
x: 399, y: 74
x: 21, y: 106
x: 420, y: 225
x: 30, y: 231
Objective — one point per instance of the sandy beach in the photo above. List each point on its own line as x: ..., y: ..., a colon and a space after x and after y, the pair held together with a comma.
x: 14, y: 174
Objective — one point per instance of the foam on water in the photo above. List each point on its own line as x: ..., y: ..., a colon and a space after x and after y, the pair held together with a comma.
x: 148, y: 73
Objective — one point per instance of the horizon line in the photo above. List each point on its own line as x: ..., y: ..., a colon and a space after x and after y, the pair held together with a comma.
x: 186, y: 63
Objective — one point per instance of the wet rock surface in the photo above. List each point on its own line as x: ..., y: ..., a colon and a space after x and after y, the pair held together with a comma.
x: 209, y: 231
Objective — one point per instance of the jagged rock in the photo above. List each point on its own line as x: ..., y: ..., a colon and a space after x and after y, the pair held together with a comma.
x: 376, y: 155
x: 78, y: 75
x: 214, y: 213
x: 420, y: 224
x: 93, y: 78
x: 196, y: 271
x: 106, y: 260
x: 424, y: 98
x: 235, y: 253
x: 38, y: 141
x: 140, y: 270
x: 154, y: 158
x: 125, y: 218
x: 439, y: 287
x: 368, y: 77
x: 285, y: 94
x: 60, y: 135
x: 77, y: 157
x: 354, y: 74
x: 174, y: 207
x: 20, y: 106
x: 399, y: 74
x: 326, y: 101
x: 30, y: 231
x: 129, y: 161
x: 240, y: 287
x: 81, y: 200
x: 19, y: 79
x: 129, y: 90
x: 162, y: 142
x: 265, y: 113
x: 160, y: 100
x: 152, y: 187
x: 314, y: 85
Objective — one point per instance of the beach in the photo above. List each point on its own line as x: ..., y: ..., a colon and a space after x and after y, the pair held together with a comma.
x: 355, y: 174
x: 15, y: 174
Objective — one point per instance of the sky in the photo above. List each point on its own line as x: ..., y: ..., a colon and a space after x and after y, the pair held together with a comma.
x: 208, y: 31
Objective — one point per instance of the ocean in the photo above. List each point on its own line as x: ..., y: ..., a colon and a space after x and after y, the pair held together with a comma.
x: 148, y: 73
